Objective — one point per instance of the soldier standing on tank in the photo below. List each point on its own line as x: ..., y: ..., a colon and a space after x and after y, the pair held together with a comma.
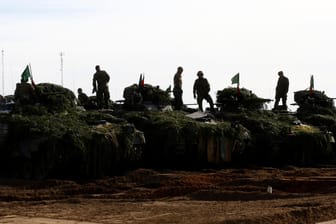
x: 100, y: 85
x: 177, y: 90
x: 201, y: 91
x: 281, y: 91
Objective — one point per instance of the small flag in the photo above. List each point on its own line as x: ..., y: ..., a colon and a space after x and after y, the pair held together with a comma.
x: 143, y: 81
x: 140, y: 80
x: 25, y: 75
x: 235, y: 79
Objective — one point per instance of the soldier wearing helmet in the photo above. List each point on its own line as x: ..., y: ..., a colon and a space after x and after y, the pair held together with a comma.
x: 201, y: 91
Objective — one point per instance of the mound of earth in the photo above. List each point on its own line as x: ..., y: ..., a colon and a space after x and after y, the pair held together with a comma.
x: 254, y: 195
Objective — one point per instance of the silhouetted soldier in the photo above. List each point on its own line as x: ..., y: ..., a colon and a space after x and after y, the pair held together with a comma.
x: 83, y: 99
x: 177, y: 91
x: 201, y: 91
x: 281, y: 91
x: 24, y: 93
x: 101, y: 78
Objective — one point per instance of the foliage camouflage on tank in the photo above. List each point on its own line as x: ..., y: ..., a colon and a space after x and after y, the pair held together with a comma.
x: 279, y: 138
x: 232, y: 99
x: 52, y: 138
x: 317, y: 109
x: 62, y: 141
x: 175, y: 140
x: 136, y: 95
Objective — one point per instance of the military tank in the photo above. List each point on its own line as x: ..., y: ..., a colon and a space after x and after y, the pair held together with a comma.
x: 233, y: 99
x: 277, y: 137
x: 53, y: 139
x: 146, y: 96
x: 174, y: 139
x: 317, y: 109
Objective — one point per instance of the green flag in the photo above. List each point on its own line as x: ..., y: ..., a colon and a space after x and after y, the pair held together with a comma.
x: 235, y: 79
x: 25, y: 75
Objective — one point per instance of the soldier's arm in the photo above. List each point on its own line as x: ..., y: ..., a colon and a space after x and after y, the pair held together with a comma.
x: 107, y: 77
x: 195, y: 88
x: 207, y: 85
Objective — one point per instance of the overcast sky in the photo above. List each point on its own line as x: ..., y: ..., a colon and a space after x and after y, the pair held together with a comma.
x: 256, y: 38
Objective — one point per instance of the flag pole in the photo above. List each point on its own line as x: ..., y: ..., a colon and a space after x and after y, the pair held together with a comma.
x: 311, y: 86
x: 61, y: 55
x: 30, y: 70
x: 238, y: 90
x: 31, y: 76
x: 3, y: 71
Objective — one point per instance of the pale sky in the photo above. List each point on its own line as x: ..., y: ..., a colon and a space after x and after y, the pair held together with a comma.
x: 256, y: 38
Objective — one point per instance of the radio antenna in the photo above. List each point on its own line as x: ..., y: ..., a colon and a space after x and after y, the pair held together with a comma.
x: 3, y: 71
x: 61, y: 69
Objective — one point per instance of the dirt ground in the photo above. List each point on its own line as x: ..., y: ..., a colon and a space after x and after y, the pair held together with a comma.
x: 299, y: 195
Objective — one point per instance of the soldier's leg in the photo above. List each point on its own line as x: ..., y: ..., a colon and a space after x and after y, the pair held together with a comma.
x: 209, y: 99
x: 284, y: 100
x: 276, y: 103
x: 100, y: 99
x: 179, y: 101
x: 106, y: 98
x: 176, y: 99
x: 199, y: 102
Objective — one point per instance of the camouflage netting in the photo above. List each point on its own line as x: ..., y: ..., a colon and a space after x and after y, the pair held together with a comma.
x: 314, y: 103
x: 315, y: 98
x: 74, y: 145
x: 53, y: 139
x: 174, y: 140
x: 51, y: 98
x: 56, y: 98
x: 148, y: 94
x: 317, y: 109
x: 279, y: 139
x: 229, y: 99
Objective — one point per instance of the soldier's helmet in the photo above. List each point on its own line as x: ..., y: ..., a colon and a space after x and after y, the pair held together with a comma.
x: 200, y: 74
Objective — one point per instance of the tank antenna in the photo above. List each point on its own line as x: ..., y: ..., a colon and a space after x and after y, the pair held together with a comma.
x: 61, y: 69
x: 3, y: 71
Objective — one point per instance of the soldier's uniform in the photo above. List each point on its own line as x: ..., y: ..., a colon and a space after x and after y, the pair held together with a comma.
x: 83, y: 99
x: 24, y: 94
x: 177, y: 91
x: 202, y: 89
x: 100, y: 80
x: 281, y: 90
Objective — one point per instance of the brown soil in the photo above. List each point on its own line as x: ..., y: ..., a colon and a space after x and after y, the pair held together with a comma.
x: 299, y: 195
